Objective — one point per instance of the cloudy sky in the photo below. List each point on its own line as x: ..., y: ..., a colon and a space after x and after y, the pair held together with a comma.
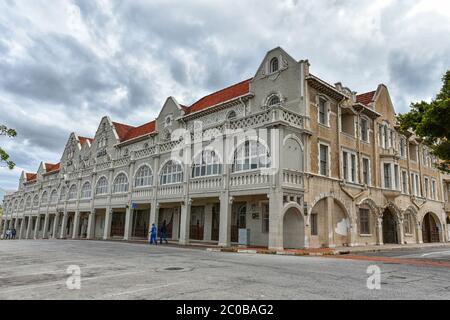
x: 65, y: 64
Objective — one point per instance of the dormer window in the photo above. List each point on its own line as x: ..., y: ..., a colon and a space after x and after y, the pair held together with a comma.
x: 274, y: 65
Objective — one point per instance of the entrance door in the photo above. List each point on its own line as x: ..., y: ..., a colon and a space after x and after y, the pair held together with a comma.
x: 430, y: 230
x: 389, y: 228
x: 118, y: 225
x: 238, y: 220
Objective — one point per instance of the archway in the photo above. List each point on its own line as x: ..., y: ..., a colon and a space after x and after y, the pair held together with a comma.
x: 390, y: 230
x: 430, y: 229
x: 293, y: 229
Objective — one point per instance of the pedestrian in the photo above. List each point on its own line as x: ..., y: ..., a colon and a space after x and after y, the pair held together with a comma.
x: 163, y: 233
x: 13, y: 233
x: 153, y: 235
x: 8, y: 234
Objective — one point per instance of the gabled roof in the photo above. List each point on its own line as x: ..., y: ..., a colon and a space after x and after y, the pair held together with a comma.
x: 146, y: 128
x: 365, y: 98
x: 30, y: 176
x: 229, y: 93
x: 84, y: 139
x: 122, y: 130
x: 50, y: 167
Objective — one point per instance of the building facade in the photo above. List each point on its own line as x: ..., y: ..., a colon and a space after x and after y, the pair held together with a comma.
x: 296, y: 161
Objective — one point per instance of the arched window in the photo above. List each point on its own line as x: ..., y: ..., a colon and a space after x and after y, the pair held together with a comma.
x: 206, y: 163
x: 274, y: 100
x: 35, y: 201
x: 54, y: 196
x: 102, y: 186
x: 171, y: 173
x: 120, y: 183
x: 231, y: 115
x: 274, y: 65
x: 86, y: 190
x: 28, y: 203
x: 72, y: 192
x: 16, y: 204
x: 144, y: 177
x: 251, y: 155
x: 44, y: 198
x: 62, y: 195
x: 21, y: 205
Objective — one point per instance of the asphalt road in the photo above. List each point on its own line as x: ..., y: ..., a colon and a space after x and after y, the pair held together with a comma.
x: 116, y: 270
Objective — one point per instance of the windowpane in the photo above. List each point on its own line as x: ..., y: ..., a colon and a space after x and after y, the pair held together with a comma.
x: 323, y: 160
x: 364, y: 221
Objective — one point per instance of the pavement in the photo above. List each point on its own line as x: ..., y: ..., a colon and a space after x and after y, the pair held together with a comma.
x: 47, y: 269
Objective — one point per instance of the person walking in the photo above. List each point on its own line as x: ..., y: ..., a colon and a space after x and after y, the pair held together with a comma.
x: 153, y: 235
x: 163, y: 233
x: 8, y: 234
x: 13, y: 233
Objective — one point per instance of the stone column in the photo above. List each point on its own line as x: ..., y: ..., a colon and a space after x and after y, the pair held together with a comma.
x: 379, y: 231
x: 30, y: 223
x: 55, y: 226
x: 275, y: 221
x: 44, y: 229
x: 64, y: 225
x: 419, y: 237
x: 108, y: 220
x: 154, y: 212
x: 401, y: 232
x: 90, y: 228
x: 226, y: 203
x: 36, y: 226
x: 76, y: 224
x: 176, y: 224
x: 5, y: 227
x: 22, y: 227
x: 208, y: 223
x: 185, y: 222
x: 16, y: 223
x: 329, y: 222
x: 128, y: 223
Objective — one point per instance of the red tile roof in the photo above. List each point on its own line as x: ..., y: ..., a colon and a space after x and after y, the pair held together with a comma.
x: 229, y: 93
x: 140, y: 131
x: 365, y: 98
x: 84, y: 139
x: 30, y: 176
x: 122, y: 130
x: 50, y: 167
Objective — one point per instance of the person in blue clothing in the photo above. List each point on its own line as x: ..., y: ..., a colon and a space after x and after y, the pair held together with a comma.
x: 153, y: 235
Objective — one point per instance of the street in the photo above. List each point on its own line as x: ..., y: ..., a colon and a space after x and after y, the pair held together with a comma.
x: 40, y: 269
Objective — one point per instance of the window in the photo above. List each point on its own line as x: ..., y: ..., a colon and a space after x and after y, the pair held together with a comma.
x: 348, y: 123
x: 323, y: 112
x: 426, y: 184
x: 206, y: 163
x: 405, y: 182
x: 419, y: 192
x: 62, y: 195
x: 35, y: 201
x: 144, y: 177
x: 265, y: 218
x: 242, y: 222
x: 102, y: 143
x: 28, y: 203
x: 102, y: 186
x: 366, y: 171
x: 407, y: 223
x: 323, y: 160
x: 415, y: 184
x: 403, y: 147
x: 433, y: 190
x: 72, y: 192
x: 364, y: 130
x: 54, y: 196
x: 413, y: 152
x: 396, y: 177
x: 273, y: 100
x: 120, y: 183
x: 274, y: 65
x: 21, y: 205
x: 349, y: 166
x: 384, y: 136
x: 44, y: 199
x: 251, y: 155
x: 171, y: 173
x: 314, y: 224
x: 86, y: 190
x: 387, y: 176
x: 364, y: 221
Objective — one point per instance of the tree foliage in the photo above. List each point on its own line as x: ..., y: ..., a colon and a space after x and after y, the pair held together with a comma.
x: 431, y: 122
x: 4, y: 156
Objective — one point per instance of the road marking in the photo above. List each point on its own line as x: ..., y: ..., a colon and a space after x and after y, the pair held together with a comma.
x: 145, y: 289
x: 432, y: 253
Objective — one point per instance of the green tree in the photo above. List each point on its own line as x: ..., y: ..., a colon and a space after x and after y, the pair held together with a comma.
x: 431, y: 122
x: 4, y: 156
